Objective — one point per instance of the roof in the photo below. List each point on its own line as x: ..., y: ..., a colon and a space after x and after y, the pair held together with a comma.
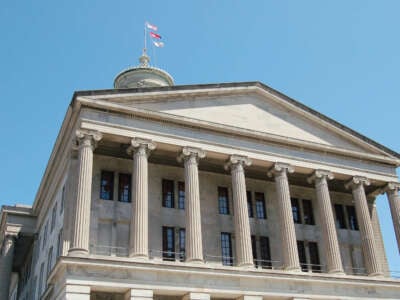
x: 238, y: 84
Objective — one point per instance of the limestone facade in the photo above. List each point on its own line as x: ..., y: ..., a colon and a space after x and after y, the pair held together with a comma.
x: 198, y: 192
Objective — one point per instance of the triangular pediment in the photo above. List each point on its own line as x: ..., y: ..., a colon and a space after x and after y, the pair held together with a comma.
x: 253, y: 111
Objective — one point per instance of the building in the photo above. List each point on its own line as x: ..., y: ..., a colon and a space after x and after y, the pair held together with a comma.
x: 223, y: 191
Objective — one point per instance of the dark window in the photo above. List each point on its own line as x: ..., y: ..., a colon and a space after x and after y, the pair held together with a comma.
x: 182, y: 237
x: 45, y: 234
x: 168, y: 193
x: 223, y: 200
x: 62, y: 199
x: 249, y: 204
x: 53, y: 217
x: 181, y: 195
x: 254, y: 249
x: 226, y: 249
x: 124, y: 188
x: 296, y: 210
x: 260, y: 205
x: 302, y: 256
x: 265, y: 252
x: 314, y: 257
x: 168, y: 243
x: 308, y: 215
x: 107, y: 185
x: 49, y: 262
x: 340, y: 219
x: 352, y: 217
x: 59, y: 243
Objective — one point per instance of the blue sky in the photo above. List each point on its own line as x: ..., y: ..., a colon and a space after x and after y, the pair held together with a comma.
x: 339, y: 57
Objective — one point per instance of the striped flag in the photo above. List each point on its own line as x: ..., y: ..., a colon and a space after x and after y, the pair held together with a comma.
x: 158, y: 44
x: 155, y: 35
x: 150, y: 26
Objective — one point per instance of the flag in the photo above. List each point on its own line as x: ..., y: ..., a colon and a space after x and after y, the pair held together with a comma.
x: 158, y: 44
x: 150, y: 26
x: 155, y: 35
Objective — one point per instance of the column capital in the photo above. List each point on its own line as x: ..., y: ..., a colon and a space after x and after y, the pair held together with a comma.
x: 189, y: 152
x: 237, y: 160
x: 279, y: 167
x: 391, y: 187
x: 319, y: 174
x: 143, y: 146
x: 356, y: 181
x: 87, y: 138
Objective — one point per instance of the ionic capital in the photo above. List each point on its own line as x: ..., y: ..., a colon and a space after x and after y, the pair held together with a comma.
x: 357, y: 181
x: 392, y: 187
x: 141, y: 146
x: 87, y: 138
x: 279, y: 168
x: 236, y: 161
x: 320, y: 174
x: 191, y: 153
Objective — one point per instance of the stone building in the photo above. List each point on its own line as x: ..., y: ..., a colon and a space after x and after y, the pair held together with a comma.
x: 222, y: 191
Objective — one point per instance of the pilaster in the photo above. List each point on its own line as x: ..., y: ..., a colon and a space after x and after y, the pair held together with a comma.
x: 6, y: 261
x: 392, y: 192
x: 134, y: 294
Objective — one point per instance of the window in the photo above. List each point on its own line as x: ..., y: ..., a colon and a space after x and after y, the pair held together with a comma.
x: 182, y: 238
x: 53, y: 217
x: 314, y: 257
x: 59, y: 243
x: 249, y: 204
x: 254, y: 249
x: 352, y: 217
x: 265, y: 252
x: 168, y: 193
x: 124, y: 188
x: 181, y: 195
x: 62, y: 200
x: 302, y: 255
x: 223, y: 200
x: 226, y: 249
x: 308, y: 215
x: 49, y: 262
x: 168, y: 243
x: 107, y: 185
x: 40, y: 280
x: 45, y: 234
x: 296, y: 210
x: 340, y: 219
x: 260, y: 205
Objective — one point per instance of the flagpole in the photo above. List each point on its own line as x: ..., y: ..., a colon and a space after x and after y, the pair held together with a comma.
x: 145, y: 38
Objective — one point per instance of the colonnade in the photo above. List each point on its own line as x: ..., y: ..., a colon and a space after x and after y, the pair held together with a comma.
x: 190, y: 157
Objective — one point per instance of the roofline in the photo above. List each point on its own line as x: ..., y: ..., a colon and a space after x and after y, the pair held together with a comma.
x: 237, y: 84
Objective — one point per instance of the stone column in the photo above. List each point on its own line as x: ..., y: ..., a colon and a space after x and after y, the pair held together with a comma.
x: 288, y: 234
x: 364, y: 222
x: 193, y: 240
x: 244, y: 254
x: 196, y: 296
x: 392, y: 192
x: 328, y: 228
x: 134, y: 294
x: 6, y: 261
x: 139, y: 231
x: 81, y: 226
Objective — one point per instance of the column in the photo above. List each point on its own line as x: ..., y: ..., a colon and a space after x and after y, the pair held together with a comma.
x: 139, y: 231
x: 366, y: 231
x: 81, y: 226
x: 196, y: 296
x: 288, y: 234
x: 244, y: 254
x: 134, y: 294
x: 6, y: 261
x: 392, y: 192
x: 328, y: 228
x: 193, y: 240
x: 75, y: 292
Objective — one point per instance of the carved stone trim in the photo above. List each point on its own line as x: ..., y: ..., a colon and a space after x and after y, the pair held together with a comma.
x: 279, y: 167
x: 237, y: 160
x: 141, y: 145
x: 189, y: 152
x: 357, y: 180
x: 87, y: 138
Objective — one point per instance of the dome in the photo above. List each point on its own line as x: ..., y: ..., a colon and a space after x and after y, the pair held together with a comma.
x: 142, y: 76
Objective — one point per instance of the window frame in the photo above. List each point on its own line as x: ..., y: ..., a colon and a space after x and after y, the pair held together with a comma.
x: 124, y: 191
x: 168, y: 193
x: 265, y: 252
x: 261, y: 212
x: 308, y: 212
x: 340, y: 216
x: 249, y: 204
x: 104, y: 194
x: 181, y: 195
x: 352, y: 218
x: 226, y: 249
x: 168, y: 243
x: 223, y: 200
x: 296, y: 210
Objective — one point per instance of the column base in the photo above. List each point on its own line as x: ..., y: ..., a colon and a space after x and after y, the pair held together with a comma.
x: 337, y: 272
x: 196, y: 296
x: 139, y: 256
x: 78, y: 252
x: 134, y: 294
x: 378, y: 274
x: 195, y: 261
x: 292, y: 269
x: 246, y: 265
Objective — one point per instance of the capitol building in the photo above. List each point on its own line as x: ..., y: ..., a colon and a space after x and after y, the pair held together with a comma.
x: 198, y: 192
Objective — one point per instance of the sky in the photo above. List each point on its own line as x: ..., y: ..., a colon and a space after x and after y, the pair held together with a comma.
x: 341, y: 58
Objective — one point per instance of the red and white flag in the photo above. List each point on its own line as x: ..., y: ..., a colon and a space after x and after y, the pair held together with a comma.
x: 158, y: 44
x: 155, y: 35
x: 151, y: 26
